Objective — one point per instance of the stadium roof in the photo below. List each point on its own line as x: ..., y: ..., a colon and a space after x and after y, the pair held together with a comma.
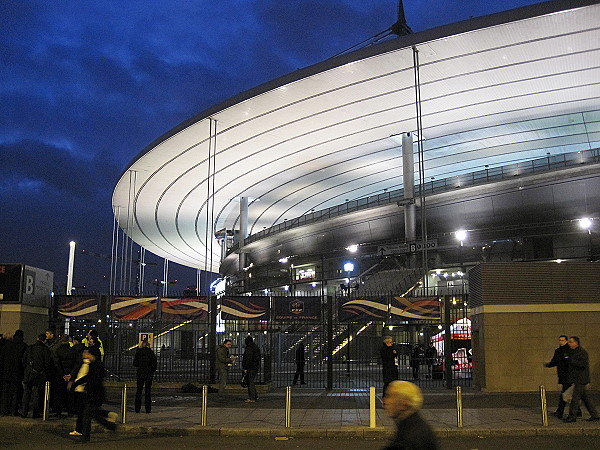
x: 504, y: 88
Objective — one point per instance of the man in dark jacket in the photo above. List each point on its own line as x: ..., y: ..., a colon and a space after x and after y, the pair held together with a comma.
x: 223, y: 363
x: 402, y: 403
x: 579, y: 375
x: 145, y: 361
x: 300, y: 361
x: 12, y: 374
x: 65, y: 360
x: 388, y: 355
x: 38, y: 369
x: 250, y: 367
x: 560, y: 361
x: 89, y: 389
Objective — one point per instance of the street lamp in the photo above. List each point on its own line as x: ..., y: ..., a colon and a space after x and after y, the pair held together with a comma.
x: 461, y: 235
x: 70, y: 270
x: 585, y: 223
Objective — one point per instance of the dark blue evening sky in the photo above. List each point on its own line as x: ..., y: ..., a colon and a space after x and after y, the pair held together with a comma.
x: 86, y: 85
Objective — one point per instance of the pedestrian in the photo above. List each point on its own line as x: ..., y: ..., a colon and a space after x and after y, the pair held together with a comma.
x: 65, y: 361
x: 579, y: 375
x: 430, y: 358
x: 560, y: 360
x: 12, y: 374
x: 145, y: 361
x: 224, y: 363
x: 250, y: 367
x: 300, y: 361
x: 89, y: 391
x: 415, y: 361
x: 389, y: 364
x: 93, y: 336
x: 38, y: 368
x: 402, y: 402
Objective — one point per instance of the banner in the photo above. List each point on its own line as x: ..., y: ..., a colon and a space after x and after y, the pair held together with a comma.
x: 179, y: 309
x: 245, y: 308
x: 132, y: 308
x: 363, y: 310
x: 403, y: 308
x: 77, y: 306
x: 304, y: 309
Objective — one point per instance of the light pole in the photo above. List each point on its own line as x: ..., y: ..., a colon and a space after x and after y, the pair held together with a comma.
x: 586, y: 224
x: 461, y: 236
x: 70, y: 270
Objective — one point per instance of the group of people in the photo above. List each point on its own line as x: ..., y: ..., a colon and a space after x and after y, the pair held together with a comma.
x: 573, y: 369
x: 73, y: 366
x: 250, y: 366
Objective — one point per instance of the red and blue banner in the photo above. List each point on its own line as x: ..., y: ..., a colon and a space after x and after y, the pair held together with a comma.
x: 399, y: 308
x: 245, y: 308
x: 77, y: 306
x: 403, y: 308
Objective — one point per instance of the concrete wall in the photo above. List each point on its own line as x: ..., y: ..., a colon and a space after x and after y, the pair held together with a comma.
x: 32, y: 320
x: 512, y: 342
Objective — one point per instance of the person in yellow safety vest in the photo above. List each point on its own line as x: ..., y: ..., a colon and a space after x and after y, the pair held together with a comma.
x: 94, y: 334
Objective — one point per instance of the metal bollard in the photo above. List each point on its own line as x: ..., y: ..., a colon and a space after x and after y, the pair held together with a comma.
x: 459, y: 407
x: 124, y: 404
x: 46, y: 400
x: 544, y: 406
x: 288, y: 406
x: 204, y: 405
x: 372, y: 416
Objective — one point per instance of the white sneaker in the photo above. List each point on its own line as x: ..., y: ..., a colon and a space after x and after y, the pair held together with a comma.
x: 75, y: 433
x: 112, y: 417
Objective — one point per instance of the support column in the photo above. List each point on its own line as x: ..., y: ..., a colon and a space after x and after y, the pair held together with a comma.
x: 243, y: 230
x: 408, y: 177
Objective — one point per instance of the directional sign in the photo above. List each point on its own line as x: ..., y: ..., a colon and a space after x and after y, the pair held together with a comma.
x: 392, y: 249
x: 418, y: 246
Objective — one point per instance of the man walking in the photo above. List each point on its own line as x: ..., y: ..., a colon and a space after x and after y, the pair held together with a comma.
x: 300, y: 360
x: 388, y: 355
x: 145, y: 361
x: 224, y: 362
x: 251, y: 366
x: 579, y: 375
x: 560, y: 360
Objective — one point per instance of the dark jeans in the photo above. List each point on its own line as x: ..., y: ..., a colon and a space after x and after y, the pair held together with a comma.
x: 299, y: 372
x: 223, y: 374
x: 63, y: 398
x: 143, y: 383
x: 579, y: 393
x: 252, y: 395
x: 33, y: 393
x: 12, y: 394
x: 87, y: 412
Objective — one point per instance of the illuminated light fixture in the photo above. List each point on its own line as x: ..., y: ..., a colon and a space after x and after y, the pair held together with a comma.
x: 352, y: 248
x: 461, y: 235
x: 438, y: 271
x: 266, y: 291
x: 348, y: 267
x: 347, y: 280
x: 439, y: 327
x: 390, y: 328
x: 558, y: 260
x: 283, y: 260
x: 585, y: 223
x: 459, y: 273
x: 314, y: 284
x: 286, y: 288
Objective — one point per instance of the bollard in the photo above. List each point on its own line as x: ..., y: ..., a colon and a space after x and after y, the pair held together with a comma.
x: 46, y: 400
x: 124, y: 404
x: 459, y: 407
x: 544, y: 406
x: 204, y: 404
x: 372, y: 416
x: 288, y: 406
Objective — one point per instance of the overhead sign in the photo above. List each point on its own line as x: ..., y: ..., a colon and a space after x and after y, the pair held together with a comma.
x: 418, y: 246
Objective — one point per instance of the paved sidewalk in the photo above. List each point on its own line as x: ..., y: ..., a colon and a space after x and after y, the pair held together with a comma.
x: 317, y: 413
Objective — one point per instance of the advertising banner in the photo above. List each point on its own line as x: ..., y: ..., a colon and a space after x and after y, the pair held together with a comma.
x: 403, y: 308
x: 363, y: 310
x: 245, y: 308
x: 77, y: 306
x: 132, y: 308
x: 179, y: 309
x: 304, y: 309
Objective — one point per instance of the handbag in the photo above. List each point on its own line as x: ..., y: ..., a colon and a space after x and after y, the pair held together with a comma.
x: 244, y: 381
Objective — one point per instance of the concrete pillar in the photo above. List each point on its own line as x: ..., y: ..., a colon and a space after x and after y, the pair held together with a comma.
x: 408, y: 176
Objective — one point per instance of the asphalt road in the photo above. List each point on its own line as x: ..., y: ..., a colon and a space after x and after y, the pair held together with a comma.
x: 12, y: 437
